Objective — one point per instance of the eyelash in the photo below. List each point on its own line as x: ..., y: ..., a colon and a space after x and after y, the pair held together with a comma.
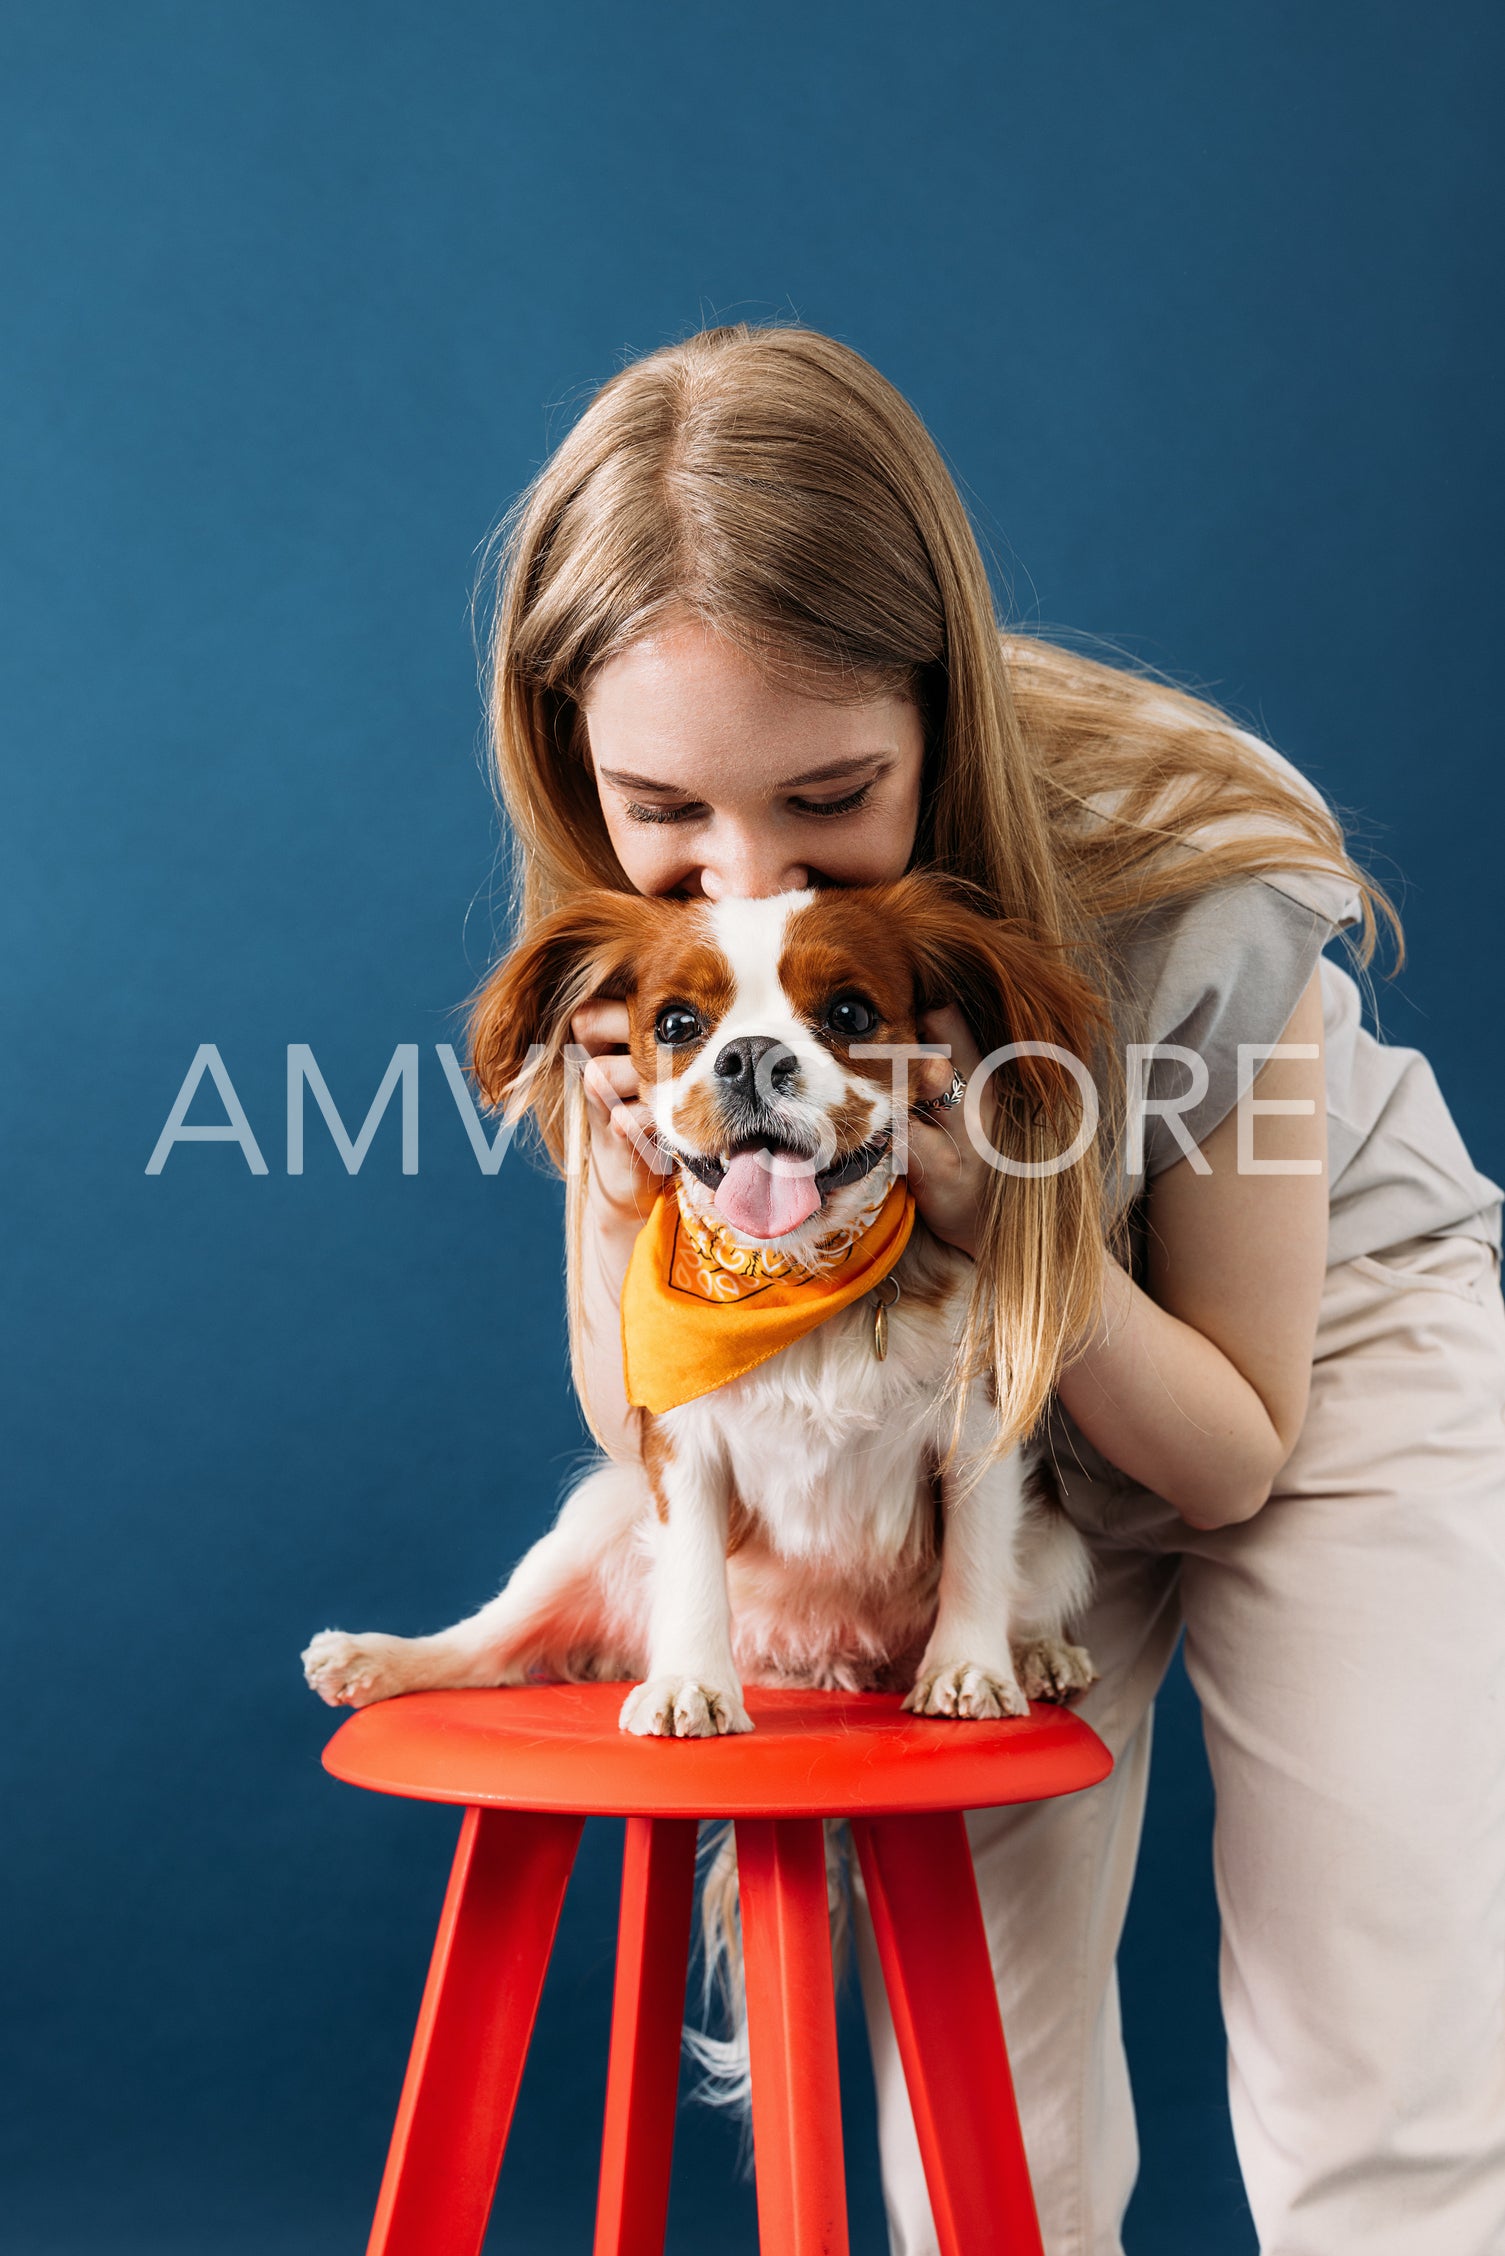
x: 847, y: 806
x: 691, y: 812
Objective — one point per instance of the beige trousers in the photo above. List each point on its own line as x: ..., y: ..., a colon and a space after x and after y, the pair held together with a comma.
x: 1348, y: 1649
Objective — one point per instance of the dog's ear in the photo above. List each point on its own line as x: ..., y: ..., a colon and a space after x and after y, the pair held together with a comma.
x: 1010, y: 985
x: 520, y: 1019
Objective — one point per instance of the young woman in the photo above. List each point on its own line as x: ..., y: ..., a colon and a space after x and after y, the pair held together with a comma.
x: 745, y: 643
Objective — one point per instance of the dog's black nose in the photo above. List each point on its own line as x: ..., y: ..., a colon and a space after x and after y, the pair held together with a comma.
x: 756, y: 1064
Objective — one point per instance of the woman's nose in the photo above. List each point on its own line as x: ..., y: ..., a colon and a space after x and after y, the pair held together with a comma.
x: 743, y: 867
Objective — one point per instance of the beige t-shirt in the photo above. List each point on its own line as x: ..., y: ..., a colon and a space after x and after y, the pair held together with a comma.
x: 1229, y: 968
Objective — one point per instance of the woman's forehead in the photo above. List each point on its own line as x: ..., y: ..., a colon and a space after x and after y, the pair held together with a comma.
x: 684, y: 709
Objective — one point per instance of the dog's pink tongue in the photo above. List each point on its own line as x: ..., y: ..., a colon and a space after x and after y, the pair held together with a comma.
x: 766, y: 1197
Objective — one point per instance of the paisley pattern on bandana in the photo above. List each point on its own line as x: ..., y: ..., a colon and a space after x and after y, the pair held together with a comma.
x: 705, y: 1259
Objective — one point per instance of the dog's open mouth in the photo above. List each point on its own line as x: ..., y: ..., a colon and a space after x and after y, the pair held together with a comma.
x: 765, y: 1189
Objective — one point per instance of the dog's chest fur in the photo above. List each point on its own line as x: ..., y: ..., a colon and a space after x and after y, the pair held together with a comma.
x: 831, y: 1451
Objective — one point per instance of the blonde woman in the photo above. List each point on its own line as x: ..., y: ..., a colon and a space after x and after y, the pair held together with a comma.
x: 744, y: 642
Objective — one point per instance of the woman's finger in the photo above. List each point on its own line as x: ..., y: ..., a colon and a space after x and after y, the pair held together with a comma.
x: 948, y: 1024
x: 935, y: 1139
x: 600, y: 1026
x: 634, y: 1123
x: 610, y: 1081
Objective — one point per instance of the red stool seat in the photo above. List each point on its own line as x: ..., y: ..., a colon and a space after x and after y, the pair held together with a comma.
x: 529, y: 1765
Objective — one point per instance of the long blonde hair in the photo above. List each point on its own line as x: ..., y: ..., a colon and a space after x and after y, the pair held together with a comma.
x: 769, y: 482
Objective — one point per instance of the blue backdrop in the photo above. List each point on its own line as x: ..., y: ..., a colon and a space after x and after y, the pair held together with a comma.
x: 295, y: 297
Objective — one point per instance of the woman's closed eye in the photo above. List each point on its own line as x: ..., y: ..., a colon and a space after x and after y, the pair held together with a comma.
x: 695, y: 810
x: 845, y: 806
x: 688, y: 810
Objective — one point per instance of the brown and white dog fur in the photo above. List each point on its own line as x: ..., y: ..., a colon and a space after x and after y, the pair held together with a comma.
x: 809, y: 1523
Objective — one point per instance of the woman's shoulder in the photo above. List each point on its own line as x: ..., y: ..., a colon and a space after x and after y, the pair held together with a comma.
x: 1209, y: 964
x: 1155, y: 794
x: 1221, y: 829
x: 1228, y: 928
x: 1231, y: 961
x: 1331, y: 894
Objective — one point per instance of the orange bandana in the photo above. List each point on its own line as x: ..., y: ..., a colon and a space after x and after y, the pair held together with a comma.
x: 698, y: 1309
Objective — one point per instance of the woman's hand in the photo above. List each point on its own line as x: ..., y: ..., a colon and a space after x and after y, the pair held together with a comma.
x: 621, y: 1126
x: 619, y: 1194
x: 948, y: 1177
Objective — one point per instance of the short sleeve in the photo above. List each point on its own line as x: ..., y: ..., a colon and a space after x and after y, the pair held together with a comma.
x: 1225, y: 969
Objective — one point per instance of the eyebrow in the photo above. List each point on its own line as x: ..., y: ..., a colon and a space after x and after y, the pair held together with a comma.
x: 834, y: 771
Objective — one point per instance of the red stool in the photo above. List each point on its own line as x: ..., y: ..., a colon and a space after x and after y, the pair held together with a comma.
x: 530, y: 1765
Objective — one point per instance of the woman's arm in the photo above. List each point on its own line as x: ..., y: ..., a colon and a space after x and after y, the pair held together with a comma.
x: 1197, y: 1387
x: 620, y: 1193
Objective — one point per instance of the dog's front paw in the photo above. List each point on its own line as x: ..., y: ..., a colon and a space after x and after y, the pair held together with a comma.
x: 352, y: 1672
x: 964, y: 1690
x: 677, y: 1707
x: 1050, y: 1669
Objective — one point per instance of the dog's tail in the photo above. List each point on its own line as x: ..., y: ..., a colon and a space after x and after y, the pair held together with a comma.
x: 722, y: 2058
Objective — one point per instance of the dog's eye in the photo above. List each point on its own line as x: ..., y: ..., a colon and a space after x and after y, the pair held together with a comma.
x: 677, y: 1024
x: 851, y: 1016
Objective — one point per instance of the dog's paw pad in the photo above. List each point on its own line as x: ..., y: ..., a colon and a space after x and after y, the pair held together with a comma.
x: 677, y: 1707
x: 352, y: 1672
x: 1050, y: 1669
x: 963, y: 1690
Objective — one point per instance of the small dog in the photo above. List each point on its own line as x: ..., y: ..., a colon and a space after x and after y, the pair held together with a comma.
x: 826, y: 1514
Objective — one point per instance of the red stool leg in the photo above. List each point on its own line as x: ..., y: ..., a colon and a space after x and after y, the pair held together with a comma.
x: 928, y: 1923
x: 642, y: 2079
x: 490, y: 1955
x: 791, y: 2028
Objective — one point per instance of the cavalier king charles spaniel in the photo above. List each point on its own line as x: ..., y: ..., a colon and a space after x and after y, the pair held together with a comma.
x: 816, y: 1501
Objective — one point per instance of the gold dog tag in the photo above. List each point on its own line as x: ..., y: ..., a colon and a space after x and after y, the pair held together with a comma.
x: 881, y: 1308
